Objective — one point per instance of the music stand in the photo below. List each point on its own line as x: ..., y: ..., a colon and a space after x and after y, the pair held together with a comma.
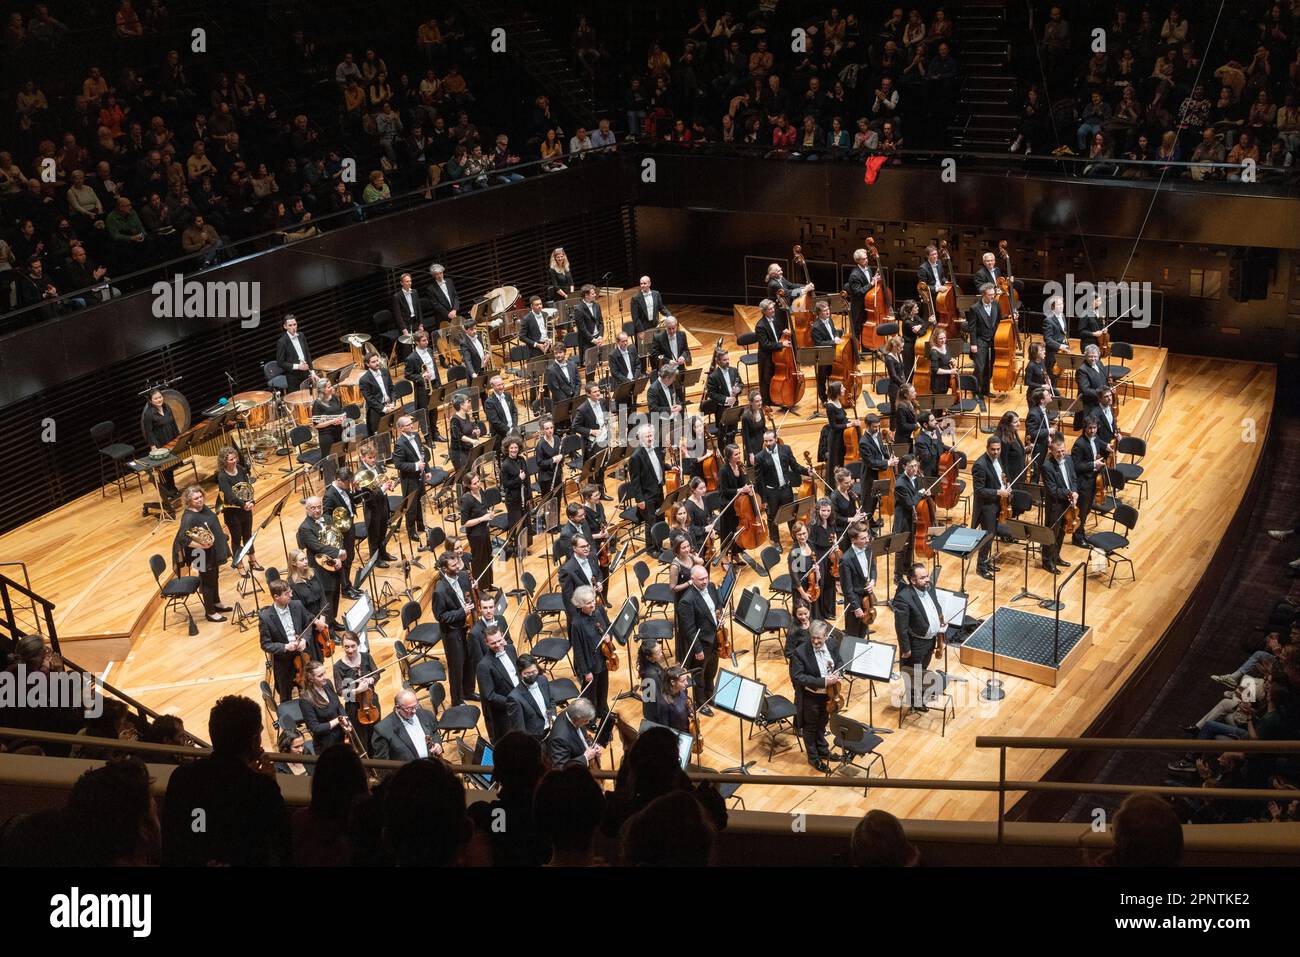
x: 621, y: 629
x: 741, y: 698
x: 728, y: 420
x: 379, y: 613
x: 819, y: 357
x: 247, y: 583
x: 888, y: 545
x: 562, y: 411
x: 277, y: 513
x: 1043, y: 537
x: 787, y: 513
x: 961, y: 542
x: 872, y: 660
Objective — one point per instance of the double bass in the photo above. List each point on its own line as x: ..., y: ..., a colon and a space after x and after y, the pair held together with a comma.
x: 750, y: 530
x: 1006, y: 341
x: 844, y: 368
x: 878, y: 303
x: 788, y: 380
x: 946, y: 313
x: 887, y: 499
x: 801, y: 316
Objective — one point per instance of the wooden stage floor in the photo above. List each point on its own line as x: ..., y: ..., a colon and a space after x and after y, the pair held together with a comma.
x: 91, y: 559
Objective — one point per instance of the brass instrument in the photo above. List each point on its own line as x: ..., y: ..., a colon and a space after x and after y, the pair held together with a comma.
x: 241, y: 492
x: 370, y: 480
x: 201, y: 536
x: 319, y: 420
x: 335, y: 534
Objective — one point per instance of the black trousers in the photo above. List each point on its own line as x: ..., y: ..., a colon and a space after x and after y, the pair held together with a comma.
x: 282, y: 674
x: 1087, y: 498
x: 414, y: 514
x: 209, y: 577
x: 240, y: 523
x: 984, y: 365
x: 774, y: 500
x: 651, y: 514
x: 1053, y: 512
x: 460, y: 672
x: 913, y: 669
x: 480, y: 556
x: 853, y: 625
x: 823, y: 373
x: 903, y: 560
x: 705, y: 672
x: 987, y: 520
x: 295, y: 378
x: 812, y: 724
x: 824, y: 606
x: 1049, y: 362
x: 515, y: 511
x: 377, y: 515
x: 598, y: 694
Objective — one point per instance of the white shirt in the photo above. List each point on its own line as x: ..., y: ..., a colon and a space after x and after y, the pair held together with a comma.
x: 649, y: 299
x: 937, y: 266
x: 477, y: 347
x: 419, y: 452
x: 503, y: 656
x: 426, y: 358
x: 627, y: 360
x: 564, y: 370
x: 668, y: 392
x: 933, y: 615
x: 346, y: 497
x: 415, y: 731
x: 600, y: 413
x: 535, y: 692
x: 378, y: 376
x: 442, y: 284
x: 654, y: 464
x: 1065, y: 476
x: 997, y: 470
x: 776, y: 460
x: 406, y: 294
x: 286, y: 619
x: 505, y: 407
x: 708, y: 600
x: 297, y: 347
x: 672, y: 344
x: 863, y: 563
x: 454, y: 582
x: 585, y: 566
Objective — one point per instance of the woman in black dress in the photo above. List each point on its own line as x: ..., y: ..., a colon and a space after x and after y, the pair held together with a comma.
x: 328, y: 402
x: 682, y: 526
x: 160, y: 428
x: 517, y: 490
x: 294, y: 742
x: 474, y: 519
x: 559, y: 277
x: 237, y: 514
x: 733, y: 481
x: 753, y: 423
x: 800, y: 563
x: 348, y: 672
x: 322, y: 711
x: 821, y: 536
x: 674, y: 708
x: 905, y: 418
x: 306, y: 587
x: 465, y: 430
x: 1013, y: 454
x: 942, y: 366
x: 837, y: 421
x: 844, y: 503
x: 547, y: 457
x: 895, y: 367
x: 650, y: 665
x: 683, y: 563
x: 1035, y: 370
x: 694, y: 446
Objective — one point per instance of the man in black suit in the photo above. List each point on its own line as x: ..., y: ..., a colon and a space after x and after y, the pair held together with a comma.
x: 1062, y: 486
x: 1091, y: 325
x: 813, y: 667
x: 309, y: 538
x: 661, y: 397
x: 783, y: 292
x: 1056, y: 335
x: 588, y: 629
x: 857, y: 579
x: 341, y: 494
x: 647, y: 307
x: 245, y: 822
x: 777, y: 471
x: 280, y: 628
x: 530, y: 708
x: 579, y: 571
x: 991, y: 486
x: 908, y: 492
x: 876, y: 455
x: 932, y: 273
x: 408, y: 311
x: 562, y: 377
x: 1089, y: 454
x: 920, y: 627
x: 533, y: 331
x: 982, y: 320
x: 487, y: 616
x: 1090, y: 379
x: 699, y: 613
x: 624, y: 364
x: 292, y: 355
x: 451, y: 606
x: 378, y: 510
x: 498, y: 674
x: 723, y: 387
x: 422, y: 373
x: 442, y: 292
x: 1108, y: 429
x: 646, y: 472
x: 499, y: 407
x: 569, y: 741
x: 408, y: 733
x: 823, y: 334
x: 989, y: 273
x: 589, y: 322
x: 769, y: 343
x: 670, y: 344
x: 377, y: 390
x: 591, y: 420
x: 473, y: 354
x: 575, y: 524
x: 411, y: 458
x: 858, y: 283
x: 1040, y: 423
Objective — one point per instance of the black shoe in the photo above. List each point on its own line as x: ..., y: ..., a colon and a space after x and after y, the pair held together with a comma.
x: 920, y: 707
x: 383, y: 564
x: 820, y: 765
x: 606, y: 498
x: 439, y: 437
x: 1182, y: 766
x: 705, y: 710
x: 1061, y: 562
x: 222, y: 608
x: 351, y: 594
x: 385, y: 557
x: 986, y: 574
x: 832, y: 756
x: 472, y: 697
x: 1078, y: 541
x: 216, y: 617
x: 1049, y: 568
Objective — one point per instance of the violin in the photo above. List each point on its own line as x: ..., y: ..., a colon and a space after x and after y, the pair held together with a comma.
x: 724, y: 642
x: 610, y: 653
x: 868, y: 608
x: 367, y: 710
x: 887, y: 500
x: 835, y: 697
x: 788, y: 380
x: 1070, y: 520
x: 324, y: 640
x: 697, y: 748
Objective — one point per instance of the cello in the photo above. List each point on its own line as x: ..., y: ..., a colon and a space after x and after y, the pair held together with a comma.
x: 921, y: 350
x: 946, y: 313
x: 788, y: 380
x: 750, y: 530
x: 921, y: 528
x: 888, y: 472
x: 844, y: 368
x: 878, y: 302
x: 1006, y: 341
x: 800, y: 315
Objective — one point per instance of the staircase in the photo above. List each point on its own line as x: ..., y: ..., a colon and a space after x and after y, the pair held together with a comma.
x: 988, y: 106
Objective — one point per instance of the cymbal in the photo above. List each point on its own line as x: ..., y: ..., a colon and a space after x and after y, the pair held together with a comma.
x: 407, y: 339
x: 501, y: 298
x: 355, y: 338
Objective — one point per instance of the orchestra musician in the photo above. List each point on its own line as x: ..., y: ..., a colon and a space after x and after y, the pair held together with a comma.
x: 378, y: 510
x: 905, y: 417
x: 1013, y: 452
x: 466, y: 431
x: 498, y: 674
x: 823, y: 334
x: 777, y: 469
x: 857, y: 579
x: 876, y: 455
x: 646, y: 473
x: 1091, y: 324
x: 451, y: 606
x: 821, y: 536
x: 920, y: 627
x: 408, y: 311
x: 733, y: 482
x: 568, y: 741
x: 1040, y: 425
x: 991, y: 485
x: 647, y: 306
x: 913, y: 326
x: 769, y: 343
x: 329, y: 432
x: 624, y: 363
x: 982, y: 320
x: 1089, y: 453
x: 837, y: 421
x: 322, y: 711
x: 579, y: 570
x: 161, y: 430
x: 475, y: 519
x: 661, y: 396
x: 1037, y: 373
x: 292, y: 355
x: 1062, y: 490
x: 1107, y: 422
x: 930, y: 445
x: 354, y: 674
x: 753, y: 423
x: 698, y: 509
x: 517, y: 491
x: 693, y: 447
x: 529, y: 705
x: 673, y: 706
x: 989, y: 273
x: 412, y: 461
x: 931, y: 272
x: 588, y: 629
x: 422, y: 373
x: 597, y: 526
x: 499, y: 407
x: 942, y: 366
x: 589, y: 322
x: 443, y: 295
x: 813, y: 667
x: 723, y: 387
x: 1056, y: 335
x: 897, y: 369
x: 857, y: 285
x: 846, y: 509
x: 1090, y: 380
x: 650, y: 667
x: 204, y: 560
x: 802, y: 560
x: 699, y: 615
x: 408, y: 734
x: 670, y: 344
x: 684, y: 557
x: 238, y: 514
x: 474, y: 355
x: 339, y: 495
x: 799, y: 631
x: 330, y: 570
x: 559, y: 275
x: 908, y: 491
x: 562, y: 380
x: 548, y: 458
x: 377, y: 390
x: 280, y: 630
x: 533, y: 331
x: 575, y: 524
x: 476, y: 641
x: 783, y: 291
x: 305, y: 584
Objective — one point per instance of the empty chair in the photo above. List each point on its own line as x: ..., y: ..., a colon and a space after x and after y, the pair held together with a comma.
x: 418, y: 675
x: 548, y: 651
x: 1112, y: 542
x: 118, y: 453
x: 654, y: 596
x: 776, y: 715
x: 176, y: 592
x: 747, y: 340
x: 854, y: 740
x: 456, y: 721
x: 1122, y: 351
x: 1136, y: 449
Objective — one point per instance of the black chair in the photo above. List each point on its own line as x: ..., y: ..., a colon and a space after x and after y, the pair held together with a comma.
x: 386, y: 328
x: 781, y: 584
x: 745, y: 340
x: 563, y: 690
x: 550, y: 651
x: 461, y: 718
x: 969, y: 385
x: 118, y: 453
x: 883, y: 409
x: 176, y: 592
x: 419, y: 676
x: 776, y: 716
x: 1111, y: 542
x: 543, y: 606
x: 657, y: 595
x: 1112, y: 484
x: 1120, y: 350
x: 854, y: 740
x: 286, y: 716
x: 1136, y: 449
x: 301, y: 436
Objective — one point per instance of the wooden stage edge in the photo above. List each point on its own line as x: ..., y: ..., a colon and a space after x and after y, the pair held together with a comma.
x: 90, y: 557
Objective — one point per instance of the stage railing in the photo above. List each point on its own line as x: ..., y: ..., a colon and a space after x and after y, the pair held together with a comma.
x: 42, y: 610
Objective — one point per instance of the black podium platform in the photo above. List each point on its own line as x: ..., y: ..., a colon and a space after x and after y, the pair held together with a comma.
x: 1027, y: 644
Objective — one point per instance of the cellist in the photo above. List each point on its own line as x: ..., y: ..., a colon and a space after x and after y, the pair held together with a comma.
x: 823, y: 334
x: 908, y: 491
x: 857, y: 579
x: 733, y: 481
x: 856, y: 286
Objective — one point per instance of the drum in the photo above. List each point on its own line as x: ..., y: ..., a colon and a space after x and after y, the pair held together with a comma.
x: 503, y: 298
x: 357, y: 342
x: 299, y: 404
x: 334, y: 362
x: 350, y: 388
x: 259, y: 408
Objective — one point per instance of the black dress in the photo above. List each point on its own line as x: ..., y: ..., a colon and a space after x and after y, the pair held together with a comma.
x: 517, y: 490
x: 480, y: 540
x: 751, y: 435
x: 820, y: 538
x: 1013, y: 463
x: 897, y: 377
x: 159, y: 430
x: 905, y: 424
x: 559, y: 283
x: 1035, y: 376
x: 796, y: 578
x: 939, y: 383
x: 842, y: 511
x: 312, y: 595
x: 331, y: 434
x: 545, y: 452
x: 460, y: 430
x: 344, y: 677
x: 317, y: 717
x: 239, y: 520
x: 728, y: 521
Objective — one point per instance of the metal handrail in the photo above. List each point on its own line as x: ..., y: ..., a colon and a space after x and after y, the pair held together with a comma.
x: 7, y: 583
x: 127, y: 700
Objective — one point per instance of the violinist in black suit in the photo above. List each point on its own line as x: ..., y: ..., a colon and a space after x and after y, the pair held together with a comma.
x: 823, y: 334
x: 487, y: 616
x: 857, y: 579
x: 533, y: 330
x: 670, y: 344
x: 591, y: 420
x: 451, y: 607
x: 991, y: 486
x: 813, y: 673
x: 580, y: 570
x: 1040, y: 423
x: 661, y: 395
x: 589, y: 322
x: 877, y: 454
x: 779, y: 476
x: 982, y: 320
x: 1056, y: 335
x: 624, y: 364
x: 422, y: 373
x: 408, y: 311
x: 908, y: 492
x: 700, y: 613
x: 377, y: 390
x: 859, y: 282
x: 292, y: 355
x: 497, y: 674
x: 442, y: 292
x: 1089, y: 455
x: 569, y: 740
x: 588, y: 630
x: 408, y: 733
x: 562, y: 380
x: 1108, y: 429
x: 279, y: 627
x: 205, y: 561
x: 921, y: 628
x: 529, y: 705
x: 474, y: 355
x: 1062, y: 486
x: 647, y: 306
x: 340, y: 494
x: 646, y: 472
x: 723, y: 387
x: 575, y: 524
x: 1091, y: 380
x: 412, y: 460
x: 769, y: 344
x: 499, y: 407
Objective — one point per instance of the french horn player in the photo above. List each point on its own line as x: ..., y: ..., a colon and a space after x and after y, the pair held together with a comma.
x: 201, y: 546
x: 235, y: 499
